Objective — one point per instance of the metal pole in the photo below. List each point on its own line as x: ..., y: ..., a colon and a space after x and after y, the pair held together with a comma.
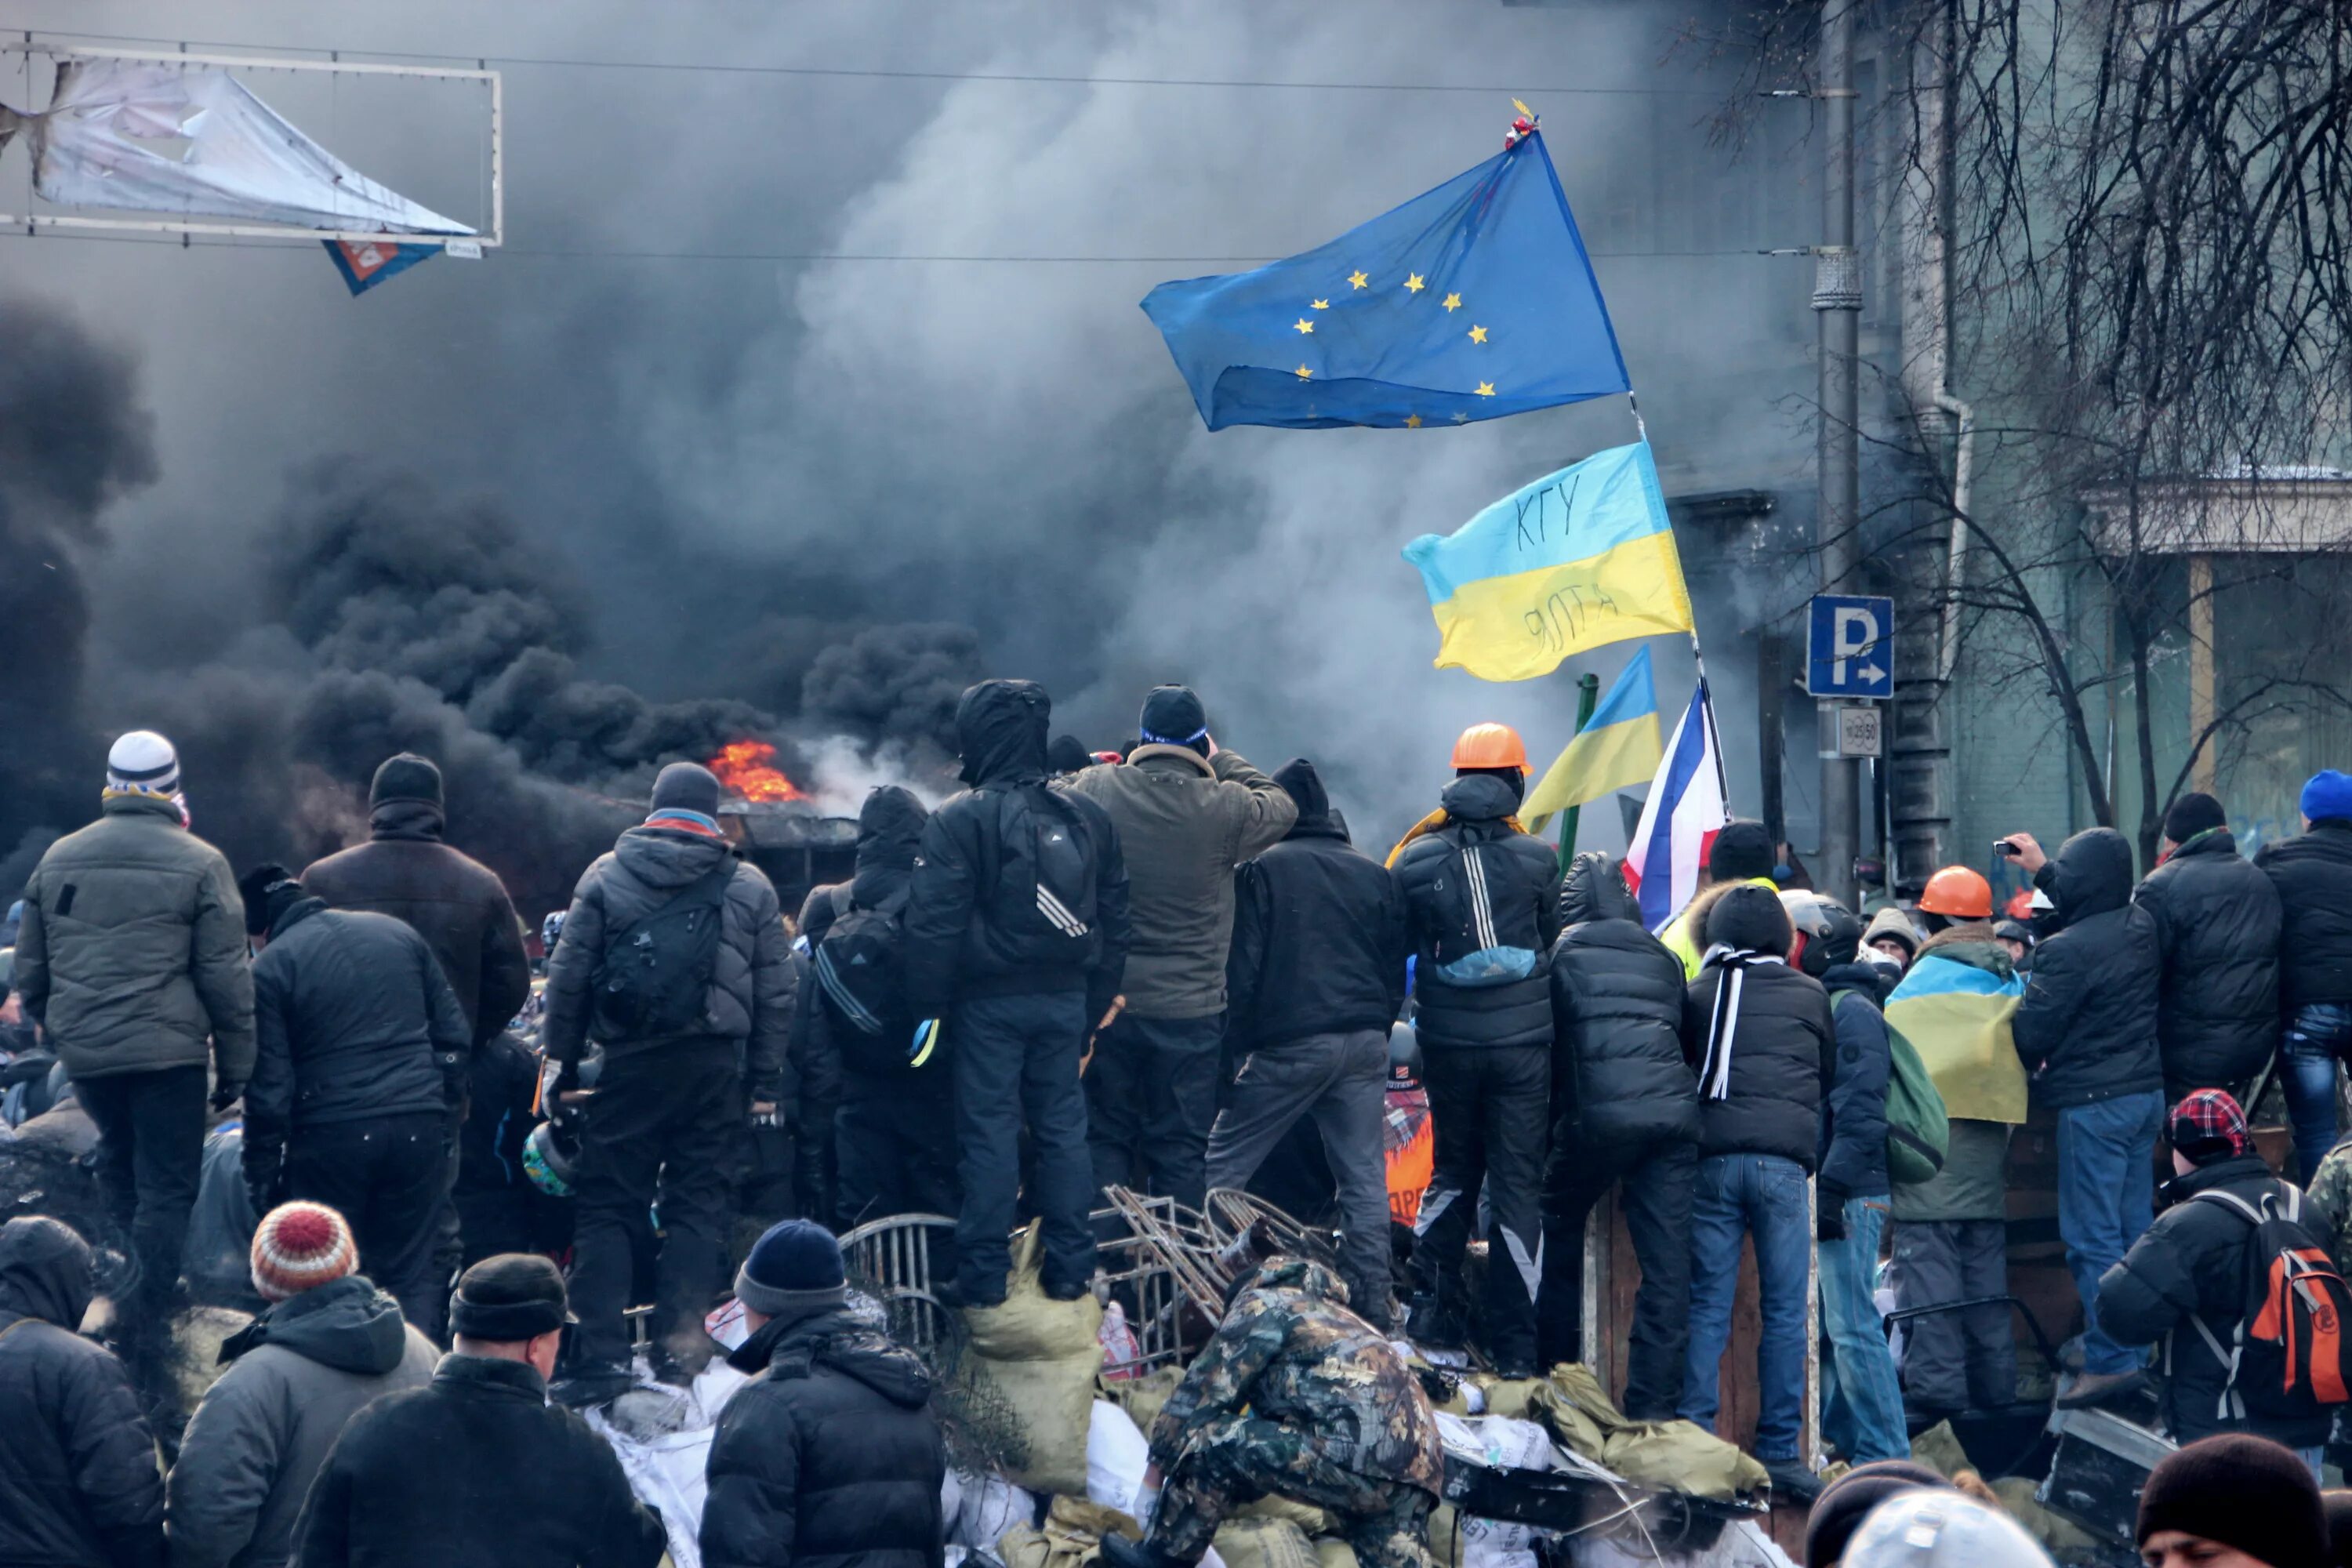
x: 1588, y: 692
x: 1837, y: 300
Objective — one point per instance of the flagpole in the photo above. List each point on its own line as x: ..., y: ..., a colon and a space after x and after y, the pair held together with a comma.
x: 1588, y: 693
x: 1722, y: 784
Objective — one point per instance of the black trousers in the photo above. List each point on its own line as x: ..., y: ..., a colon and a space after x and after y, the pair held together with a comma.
x: 660, y: 1129
x: 150, y: 1156
x: 387, y: 1175
x: 894, y: 1146
x: 1151, y: 1098
x: 1490, y: 1108
x: 1658, y: 1180
x: 1016, y: 1060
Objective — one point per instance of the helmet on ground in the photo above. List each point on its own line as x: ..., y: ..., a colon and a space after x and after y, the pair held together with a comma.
x: 1936, y: 1528
x: 548, y: 1159
x: 1404, y: 1055
x: 1490, y: 746
x: 1958, y: 893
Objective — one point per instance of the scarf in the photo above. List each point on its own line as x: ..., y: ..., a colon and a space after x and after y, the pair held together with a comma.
x: 1431, y: 824
x: 685, y: 821
x: 1723, y: 1023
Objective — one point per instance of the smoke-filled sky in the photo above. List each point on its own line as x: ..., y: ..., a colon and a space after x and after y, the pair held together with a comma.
x: 618, y: 455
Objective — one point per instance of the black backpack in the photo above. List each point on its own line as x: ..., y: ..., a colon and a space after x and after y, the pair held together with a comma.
x: 1483, y: 929
x: 860, y: 970
x: 1041, y: 899
x: 653, y: 978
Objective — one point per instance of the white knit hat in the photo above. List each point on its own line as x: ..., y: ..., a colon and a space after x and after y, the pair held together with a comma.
x: 143, y: 762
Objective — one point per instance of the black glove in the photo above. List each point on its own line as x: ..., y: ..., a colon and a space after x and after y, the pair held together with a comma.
x: 225, y: 1092
x: 1829, y: 1216
x: 262, y: 1193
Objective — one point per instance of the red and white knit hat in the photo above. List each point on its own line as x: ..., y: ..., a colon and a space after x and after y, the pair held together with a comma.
x: 299, y: 1246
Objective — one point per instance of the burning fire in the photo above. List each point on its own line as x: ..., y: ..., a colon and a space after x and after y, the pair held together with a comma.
x: 748, y: 769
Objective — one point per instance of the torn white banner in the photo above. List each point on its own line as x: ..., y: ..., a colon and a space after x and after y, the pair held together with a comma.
x: 193, y: 139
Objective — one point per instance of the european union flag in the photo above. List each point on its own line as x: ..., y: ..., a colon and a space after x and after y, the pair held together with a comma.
x: 1470, y: 301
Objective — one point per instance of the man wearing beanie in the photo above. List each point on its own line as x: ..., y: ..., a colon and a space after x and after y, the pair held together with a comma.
x: 1742, y: 852
x: 2196, y: 1253
x: 2217, y: 935
x: 362, y: 1052
x: 461, y: 910
x: 133, y: 957
x: 1188, y: 812
x: 477, y: 1467
x: 2313, y: 875
x: 690, y: 1034
x: 1766, y: 1045
x: 329, y: 1343
x: 2231, y: 1501
x: 831, y: 1454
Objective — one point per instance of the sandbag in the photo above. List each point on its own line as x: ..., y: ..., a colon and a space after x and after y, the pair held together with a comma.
x: 1571, y: 1405
x: 1143, y: 1397
x: 1333, y: 1553
x: 1938, y: 1448
x: 2065, y: 1541
x: 1071, y: 1535
x: 1265, y: 1543
x: 1497, y: 1441
x: 1117, y: 1458
x: 1682, y: 1457
x: 1310, y: 1520
x: 1036, y: 1359
x: 986, y: 1506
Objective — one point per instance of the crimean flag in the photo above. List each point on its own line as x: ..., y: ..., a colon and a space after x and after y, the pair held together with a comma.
x: 1680, y: 819
x: 1957, y: 1017
x: 1578, y: 560
x: 1617, y: 749
x: 1470, y: 301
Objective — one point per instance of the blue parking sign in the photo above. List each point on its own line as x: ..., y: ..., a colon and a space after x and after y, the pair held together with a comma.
x: 1850, y: 646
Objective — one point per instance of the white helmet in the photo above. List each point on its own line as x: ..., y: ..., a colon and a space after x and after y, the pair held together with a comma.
x: 1940, y: 1530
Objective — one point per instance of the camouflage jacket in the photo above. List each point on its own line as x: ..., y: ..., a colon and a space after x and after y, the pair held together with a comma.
x: 1291, y: 1352
x: 2330, y: 1192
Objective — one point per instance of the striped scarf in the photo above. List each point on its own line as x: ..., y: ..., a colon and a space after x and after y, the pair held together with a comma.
x: 1723, y: 1022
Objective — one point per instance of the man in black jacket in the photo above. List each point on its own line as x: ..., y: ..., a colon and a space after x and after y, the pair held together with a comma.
x: 1765, y: 1043
x: 78, y: 1476
x: 2190, y: 1268
x: 1315, y: 977
x: 477, y: 1469
x: 830, y: 1457
x: 361, y: 1049
x: 2087, y: 1034
x: 2217, y: 935
x: 664, y: 1119
x: 1016, y: 935
x: 1483, y: 900
x: 1625, y: 1111
x: 2313, y: 874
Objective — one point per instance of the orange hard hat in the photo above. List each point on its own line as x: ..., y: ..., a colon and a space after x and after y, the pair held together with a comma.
x: 1490, y: 746
x: 1959, y: 893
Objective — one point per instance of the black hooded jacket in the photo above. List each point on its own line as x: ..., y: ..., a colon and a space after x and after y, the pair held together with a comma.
x: 1618, y: 1074
x: 78, y: 1486
x: 2217, y: 935
x: 1854, y: 1116
x: 830, y: 1459
x: 1320, y: 940
x: 890, y: 827
x: 2087, y: 1028
x: 2313, y: 874
x: 1478, y: 883
x: 971, y: 931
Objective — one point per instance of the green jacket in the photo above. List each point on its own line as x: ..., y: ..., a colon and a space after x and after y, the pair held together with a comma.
x: 1184, y: 823
x: 132, y: 952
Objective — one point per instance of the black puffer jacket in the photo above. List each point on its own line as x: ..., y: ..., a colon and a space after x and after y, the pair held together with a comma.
x: 2217, y: 933
x: 1320, y: 940
x: 1783, y: 1058
x: 2313, y: 874
x: 967, y: 928
x: 2087, y: 1028
x: 831, y: 1460
x: 1854, y: 1120
x: 751, y: 997
x: 78, y: 1486
x: 1475, y: 883
x: 352, y: 1018
x: 1618, y: 1074
x: 2193, y: 1260
x: 889, y: 827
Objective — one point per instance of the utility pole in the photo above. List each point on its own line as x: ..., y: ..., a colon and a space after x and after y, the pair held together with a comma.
x: 1837, y: 300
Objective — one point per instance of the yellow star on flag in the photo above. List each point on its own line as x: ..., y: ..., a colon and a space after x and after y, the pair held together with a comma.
x: 1412, y: 421
x: 1454, y: 301
x: 1356, y: 279
x: 1486, y: 389
x: 1304, y: 374
x: 1477, y: 334
x: 1322, y: 304
x: 1414, y: 283
x: 1305, y: 325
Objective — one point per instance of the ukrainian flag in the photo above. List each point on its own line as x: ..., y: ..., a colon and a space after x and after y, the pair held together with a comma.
x: 1578, y: 560
x: 1617, y: 749
x: 1957, y: 1016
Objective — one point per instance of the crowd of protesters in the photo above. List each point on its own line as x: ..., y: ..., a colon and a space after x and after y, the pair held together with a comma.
x: 1161, y: 969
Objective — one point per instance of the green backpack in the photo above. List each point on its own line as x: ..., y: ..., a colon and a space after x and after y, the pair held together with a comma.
x: 1918, y: 1132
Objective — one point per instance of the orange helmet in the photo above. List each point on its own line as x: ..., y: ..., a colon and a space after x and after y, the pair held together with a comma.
x: 1959, y: 893
x: 1490, y: 746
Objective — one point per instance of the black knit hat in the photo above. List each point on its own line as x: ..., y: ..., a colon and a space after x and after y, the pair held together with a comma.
x: 513, y: 1296
x: 268, y: 891
x: 1750, y: 919
x: 1742, y: 848
x: 407, y: 778
x: 687, y: 787
x: 1846, y: 1501
x: 2242, y: 1491
x: 792, y: 1270
x: 2191, y: 814
x: 1172, y: 716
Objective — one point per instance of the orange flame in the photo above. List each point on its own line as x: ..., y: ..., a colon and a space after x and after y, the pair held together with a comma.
x: 747, y: 768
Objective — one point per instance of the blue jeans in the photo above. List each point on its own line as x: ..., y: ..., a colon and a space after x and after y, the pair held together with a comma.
x: 1862, y: 1400
x: 2106, y: 1196
x: 1763, y: 1197
x: 2307, y: 1057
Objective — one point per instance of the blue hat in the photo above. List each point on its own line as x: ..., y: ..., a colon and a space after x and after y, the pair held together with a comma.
x: 793, y: 1270
x: 2329, y: 794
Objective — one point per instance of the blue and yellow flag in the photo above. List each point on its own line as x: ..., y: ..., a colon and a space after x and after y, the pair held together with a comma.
x: 1470, y: 301
x: 1578, y: 560
x: 1955, y: 1014
x: 1617, y: 749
